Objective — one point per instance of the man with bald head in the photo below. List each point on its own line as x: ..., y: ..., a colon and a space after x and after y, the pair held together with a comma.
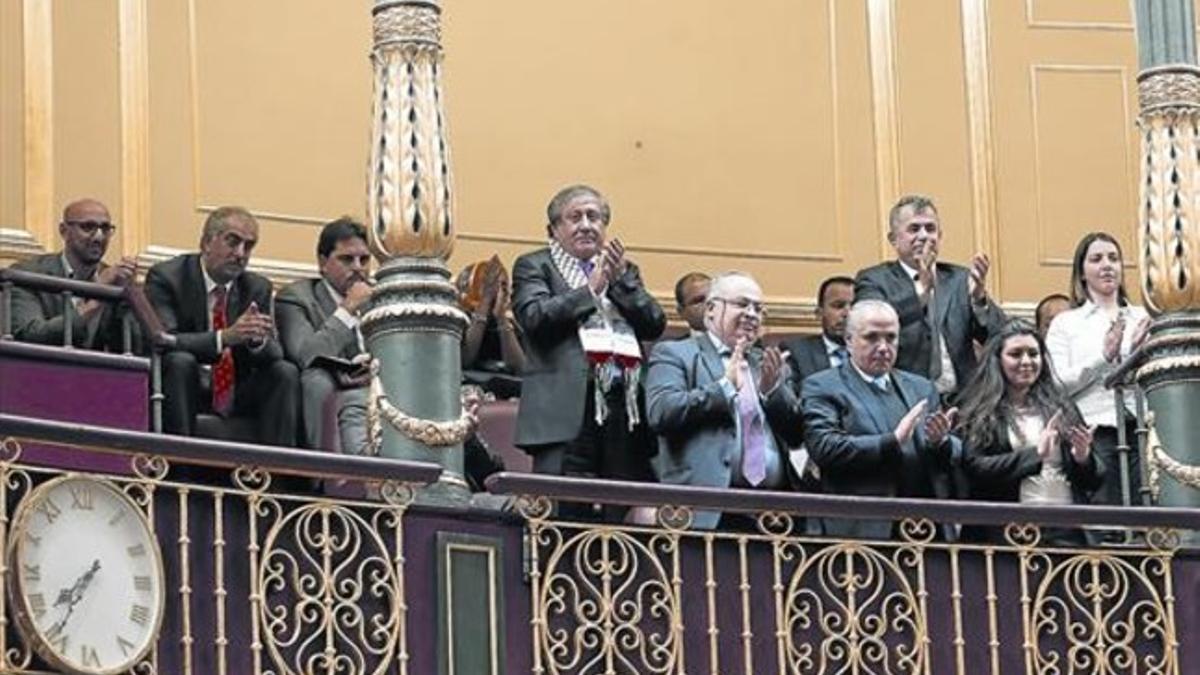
x: 86, y: 230
x: 875, y: 430
x: 225, y: 356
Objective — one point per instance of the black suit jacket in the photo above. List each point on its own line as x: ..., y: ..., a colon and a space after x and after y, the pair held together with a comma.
x: 851, y: 438
x: 995, y: 472
x: 957, y: 321
x: 555, y: 380
x: 39, y: 317
x: 175, y: 288
x: 806, y: 356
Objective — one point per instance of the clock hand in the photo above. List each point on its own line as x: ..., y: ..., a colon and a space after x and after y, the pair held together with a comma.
x: 73, y: 596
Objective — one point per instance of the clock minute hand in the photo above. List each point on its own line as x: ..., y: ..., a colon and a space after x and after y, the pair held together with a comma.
x: 73, y: 595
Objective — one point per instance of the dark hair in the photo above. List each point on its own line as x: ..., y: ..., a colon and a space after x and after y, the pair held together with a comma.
x: 1079, y: 292
x: 218, y: 220
x: 339, y: 230
x: 1037, y: 312
x: 685, y: 280
x: 985, y: 411
x: 829, y: 282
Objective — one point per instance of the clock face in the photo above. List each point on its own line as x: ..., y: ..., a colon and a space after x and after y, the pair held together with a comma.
x: 87, y: 576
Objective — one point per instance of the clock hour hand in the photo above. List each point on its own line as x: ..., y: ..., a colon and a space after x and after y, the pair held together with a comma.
x: 71, y: 596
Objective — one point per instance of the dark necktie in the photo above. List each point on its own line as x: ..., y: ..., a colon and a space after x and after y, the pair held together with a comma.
x: 935, y: 333
x: 222, y: 372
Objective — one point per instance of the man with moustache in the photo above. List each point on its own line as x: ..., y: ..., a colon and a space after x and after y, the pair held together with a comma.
x: 943, y: 308
x: 39, y: 316
x: 875, y: 430
x: 223, y: 355
x: 691, y: 291
x: 719, y: 404
x: 583, y: 309
x: 319, y: 318
x: 814, y: 353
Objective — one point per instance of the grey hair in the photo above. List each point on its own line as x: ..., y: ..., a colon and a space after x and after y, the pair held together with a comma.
x: 864, y: 308
x: 558, y: 203
x: 219, y: 219
x: 716, y: 289
x: 917, y: 203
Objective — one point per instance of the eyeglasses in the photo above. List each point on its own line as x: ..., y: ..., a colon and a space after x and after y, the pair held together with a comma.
x: 90, y: 227
x: 574, y: 217
x: 744, y: 304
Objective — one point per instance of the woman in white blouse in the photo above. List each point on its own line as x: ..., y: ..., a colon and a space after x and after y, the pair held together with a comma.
x: 1087, y: 343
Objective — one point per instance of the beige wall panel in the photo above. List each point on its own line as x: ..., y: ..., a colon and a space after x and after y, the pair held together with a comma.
x: 12, y: 129
x: 713, y: 132
x: 87, y: 126
x: 1066, y: 144
x: 1078, y: 14
x: 283, y: 111
x: 174, y: 221
x: 932, y: 114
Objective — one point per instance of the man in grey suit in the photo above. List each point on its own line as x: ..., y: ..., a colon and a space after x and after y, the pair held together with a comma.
x: 319, y: 318
x: 874, y: 430
x: 582, y: 288
x: 37, y: 316
x: 943, y: 308
x: 719, y: 404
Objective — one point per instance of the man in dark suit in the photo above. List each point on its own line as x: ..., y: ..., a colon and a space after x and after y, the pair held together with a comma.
x: 319, y: 317
x: 691, y: 291
x: 943, y: 308
x: 814, y: 353
x: 37, y: 316
x: 219, y: 315
x: 719, y: 404
x: 582, y: 307
x: 874, y: 430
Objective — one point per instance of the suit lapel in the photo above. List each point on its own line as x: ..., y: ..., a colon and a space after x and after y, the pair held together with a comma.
x: 860, y: 390
x: 709, y: 356
x: 943, y: 295
x: 197, y: 305
x: 815, y: 355
x: 326, y: 304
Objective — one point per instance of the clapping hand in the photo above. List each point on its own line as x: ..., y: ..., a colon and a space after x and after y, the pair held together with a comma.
x: 908, y: 423
x: 1140, y: 332
x: 938, y: 426
x: 733, y: 369
x: 772, y: 368
x: 1080, y: 437
x: 977, y: 282
x: 1112, y: 339
x: 926, y: 278
x: 1048, y: 440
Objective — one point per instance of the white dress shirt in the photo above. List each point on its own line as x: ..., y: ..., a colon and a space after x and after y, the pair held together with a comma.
x: 1075, y: 342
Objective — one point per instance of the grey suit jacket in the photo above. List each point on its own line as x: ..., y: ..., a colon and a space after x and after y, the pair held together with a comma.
x: 696, y: 423
x: 555, y: 380
x: 39, y: 317
x: 957, y: 321
x: 304, y: 311
x: 850, y: 437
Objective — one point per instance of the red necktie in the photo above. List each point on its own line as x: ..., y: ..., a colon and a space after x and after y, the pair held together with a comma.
x: 222, y: 373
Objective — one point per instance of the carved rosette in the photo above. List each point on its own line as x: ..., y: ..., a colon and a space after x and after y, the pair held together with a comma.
x: 410, y: 197
x: 1170, y: 114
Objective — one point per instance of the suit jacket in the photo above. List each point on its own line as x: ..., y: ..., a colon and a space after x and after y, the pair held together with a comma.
x: 695, y: 422
x: 555, y: 381
x: 850, y: 437
x: 175, y: 288
x: 957, y: 321
x: 38, y: 316
x: 307, y: 326
x: 806, y: 356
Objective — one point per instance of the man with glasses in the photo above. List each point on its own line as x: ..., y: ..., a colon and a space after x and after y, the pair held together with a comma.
x: 225, y: 356
x: 583, y: 309
x: 875, y: 430
x: 40, y: 316
x: 719, y: 402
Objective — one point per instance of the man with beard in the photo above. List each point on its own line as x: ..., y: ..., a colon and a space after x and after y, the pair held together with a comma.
x: 319, y: 318
x: 691, y: 291
x: 223, y: 356
x: 583, y: 309
x: 943, y: 308
x: 39, y: 316
x: 718, y: 403
x: 875, y: 430
x: 814, y: 353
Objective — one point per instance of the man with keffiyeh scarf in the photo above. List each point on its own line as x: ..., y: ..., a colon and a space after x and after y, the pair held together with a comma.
x: 584, y: 311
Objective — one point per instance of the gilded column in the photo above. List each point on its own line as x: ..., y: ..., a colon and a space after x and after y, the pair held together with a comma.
x: 1169, y: 242
x: 413, y: 327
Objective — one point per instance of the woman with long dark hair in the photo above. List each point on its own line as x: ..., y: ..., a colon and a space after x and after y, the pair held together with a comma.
x: 1087, y: 343
x: 1023, y: 438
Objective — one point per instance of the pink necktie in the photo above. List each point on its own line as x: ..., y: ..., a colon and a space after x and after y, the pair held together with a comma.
x: 754, y: 439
